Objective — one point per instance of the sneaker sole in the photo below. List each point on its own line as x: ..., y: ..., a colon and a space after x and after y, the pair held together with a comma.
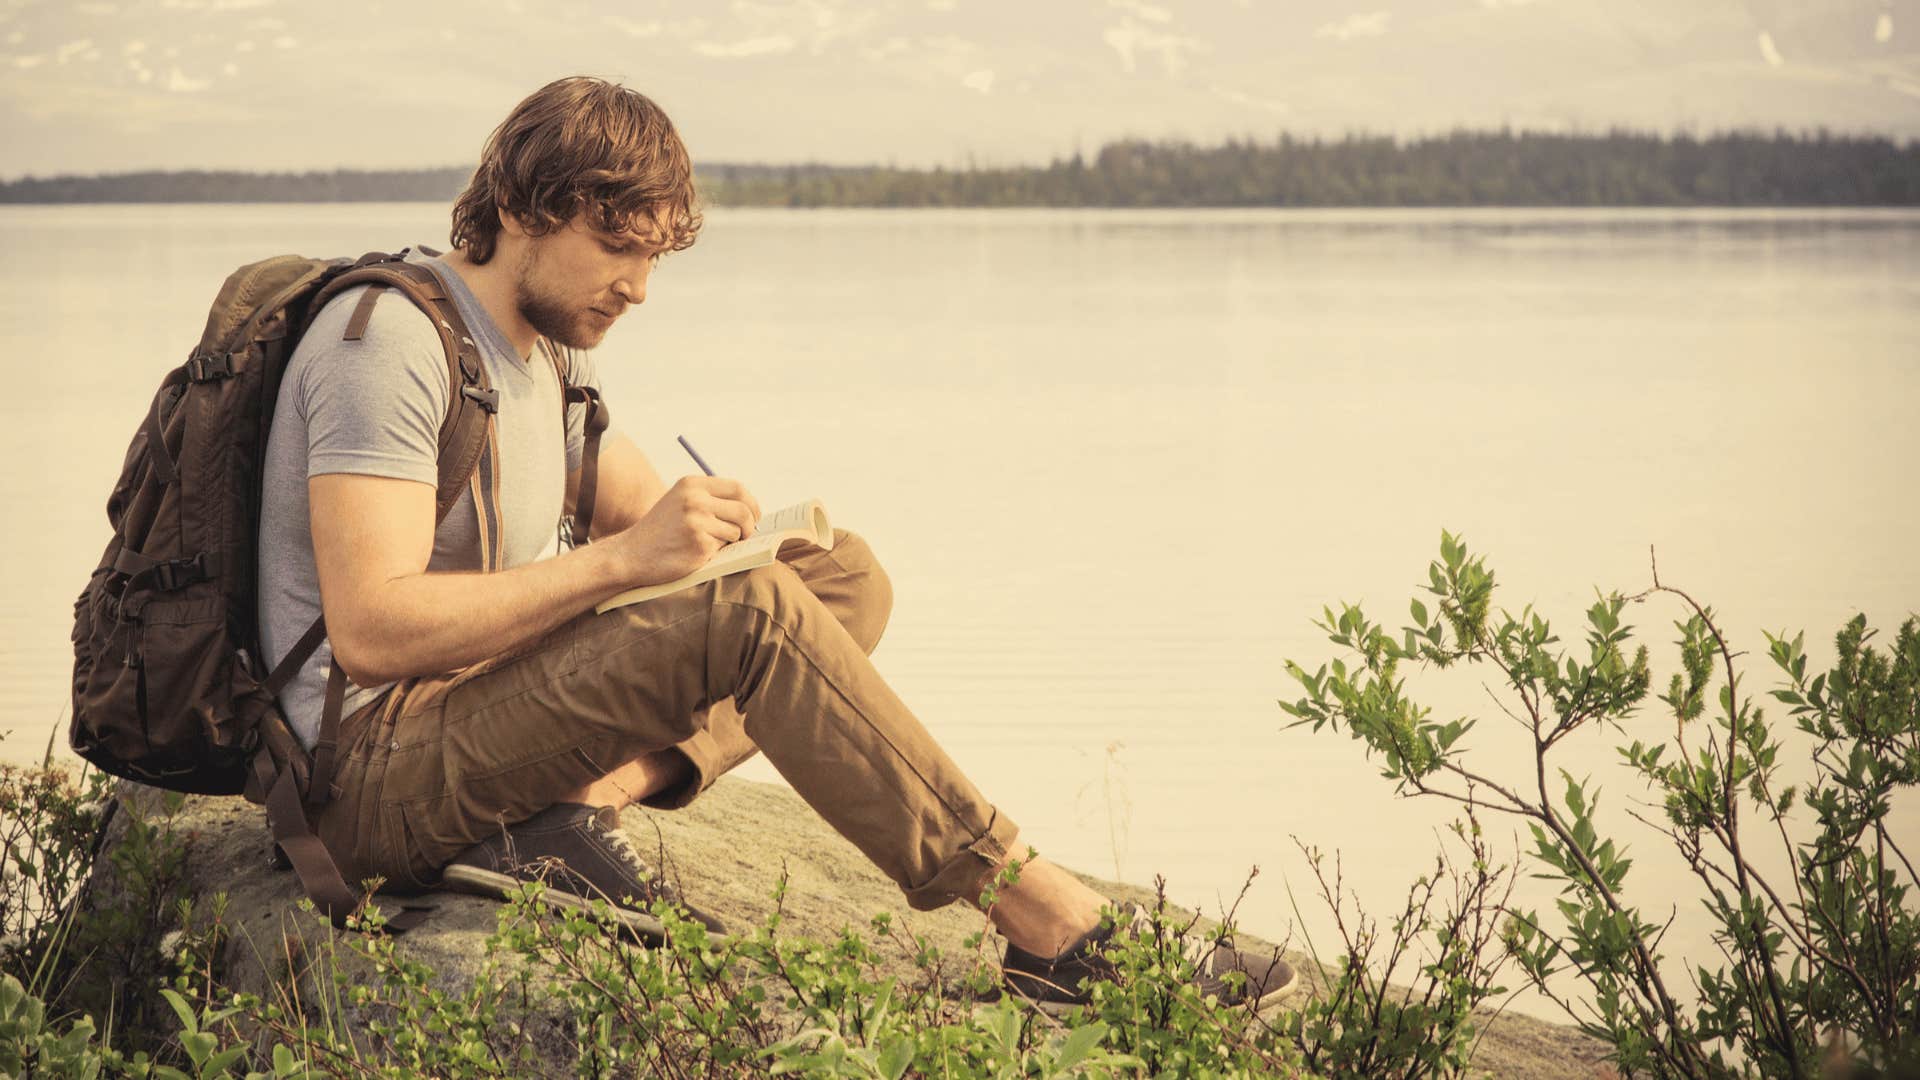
x: 477, y: 882
x: 1277, y: 994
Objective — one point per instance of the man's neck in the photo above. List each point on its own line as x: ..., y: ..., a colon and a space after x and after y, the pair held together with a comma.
x: 492, y: 284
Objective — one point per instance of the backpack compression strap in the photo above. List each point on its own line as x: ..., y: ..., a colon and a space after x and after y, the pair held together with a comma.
x: 466, y: 442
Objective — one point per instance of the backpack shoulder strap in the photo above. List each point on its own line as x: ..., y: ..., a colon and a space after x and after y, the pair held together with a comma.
x: 471, y: 401
x: 466, y: 448
x: 596, y: 423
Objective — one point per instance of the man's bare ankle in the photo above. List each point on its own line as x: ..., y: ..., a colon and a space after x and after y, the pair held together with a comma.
x: 638, y: 779
x: 1047, y: 910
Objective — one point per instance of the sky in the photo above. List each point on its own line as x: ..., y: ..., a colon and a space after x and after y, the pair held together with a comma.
x: 119, y: 85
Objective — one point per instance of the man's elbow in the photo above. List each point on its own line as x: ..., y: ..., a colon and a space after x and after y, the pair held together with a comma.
x: 364, y: 663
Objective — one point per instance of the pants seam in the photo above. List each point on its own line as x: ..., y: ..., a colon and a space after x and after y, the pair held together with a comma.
x: 446, y: 699
x: 801, y: 652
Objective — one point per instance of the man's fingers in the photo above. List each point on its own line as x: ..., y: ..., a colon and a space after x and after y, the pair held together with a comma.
x: 729, y: 489
x: 738, y: 514
x: 732, y: 508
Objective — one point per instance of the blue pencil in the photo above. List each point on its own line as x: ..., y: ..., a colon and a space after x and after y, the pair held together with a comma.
x: 697, y: 459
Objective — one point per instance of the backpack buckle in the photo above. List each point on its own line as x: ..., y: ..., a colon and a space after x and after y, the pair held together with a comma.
x: 488, y: 399
x: 181, y: 573
x: 208, y: 367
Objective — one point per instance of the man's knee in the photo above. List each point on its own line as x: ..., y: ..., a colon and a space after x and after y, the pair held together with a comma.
x: 866, y: 615
x: 775, y: 590
x: 846, y: 582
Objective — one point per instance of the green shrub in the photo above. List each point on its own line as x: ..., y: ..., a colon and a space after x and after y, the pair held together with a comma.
x: 1816, y: 967
x: 49, y: 818
x: 755, y: 1004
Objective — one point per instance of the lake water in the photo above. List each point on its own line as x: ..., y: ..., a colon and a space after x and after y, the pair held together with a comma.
x: 1116, y: 461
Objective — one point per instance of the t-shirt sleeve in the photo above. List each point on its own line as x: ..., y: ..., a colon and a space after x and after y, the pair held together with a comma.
x: 374, y: 406
x: 581, y: 371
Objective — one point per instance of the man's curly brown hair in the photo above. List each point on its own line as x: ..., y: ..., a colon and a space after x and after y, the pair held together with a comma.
x: 581, y: 145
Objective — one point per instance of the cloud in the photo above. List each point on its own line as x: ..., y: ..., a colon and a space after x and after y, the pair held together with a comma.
x: 1371, y: 24
x: 1491, y: 4
x: 1130, y: 38
x: 1241, y: 97
x: 942, y: 5
x: 121, y: 109
x: 179, y: 83
x: 771, y: 45
x: 886, y: 48
x: 980, y: 81
x: 634, y: 29
x: 28, y: 61
x: 133, y: 48
x: 1883, y: 30
x: 71, y: 49
x: 1142, y: 9
x: 286, y: 41
x: 1768, y: 51
x: 813, y: 25
x: 96, y: 9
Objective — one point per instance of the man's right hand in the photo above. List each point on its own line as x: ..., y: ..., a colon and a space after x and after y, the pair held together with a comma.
x: 696, y: 517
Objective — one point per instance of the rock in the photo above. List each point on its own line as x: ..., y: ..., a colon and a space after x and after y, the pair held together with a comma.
x: 726, y: 852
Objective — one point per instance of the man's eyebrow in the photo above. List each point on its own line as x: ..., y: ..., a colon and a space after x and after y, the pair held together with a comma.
x: 625, y: 245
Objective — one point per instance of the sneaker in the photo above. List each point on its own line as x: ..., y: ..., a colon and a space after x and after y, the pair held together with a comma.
x: 1057, y: 984
x: 581, y: 853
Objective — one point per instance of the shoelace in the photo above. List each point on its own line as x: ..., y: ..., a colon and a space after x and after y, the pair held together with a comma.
x: 622, y: 842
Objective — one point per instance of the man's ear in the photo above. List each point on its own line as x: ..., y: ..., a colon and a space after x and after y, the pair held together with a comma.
x: 510, y: 223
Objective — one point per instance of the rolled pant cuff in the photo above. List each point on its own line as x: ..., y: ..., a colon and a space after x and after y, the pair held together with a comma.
x: 967, y: 875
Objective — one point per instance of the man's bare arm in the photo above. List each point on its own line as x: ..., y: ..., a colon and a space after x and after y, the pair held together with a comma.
x: 388, y: 618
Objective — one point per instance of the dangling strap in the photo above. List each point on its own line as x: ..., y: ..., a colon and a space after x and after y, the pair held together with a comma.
x: 363, y: 313
x: 320, y: 784
x: 319, y: 874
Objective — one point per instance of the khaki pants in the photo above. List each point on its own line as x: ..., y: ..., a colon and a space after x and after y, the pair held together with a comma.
x: 773, y: 660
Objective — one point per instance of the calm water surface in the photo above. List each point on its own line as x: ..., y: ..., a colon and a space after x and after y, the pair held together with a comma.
x: 1115, y: 461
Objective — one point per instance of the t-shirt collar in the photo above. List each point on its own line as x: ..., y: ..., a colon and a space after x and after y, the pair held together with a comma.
x: 487, y: 333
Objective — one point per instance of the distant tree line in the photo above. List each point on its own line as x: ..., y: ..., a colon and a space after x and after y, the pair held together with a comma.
x: 340, y: 185
x: 1460, y: 169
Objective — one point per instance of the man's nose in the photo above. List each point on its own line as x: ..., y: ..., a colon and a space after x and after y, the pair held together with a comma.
x: 632, y: 286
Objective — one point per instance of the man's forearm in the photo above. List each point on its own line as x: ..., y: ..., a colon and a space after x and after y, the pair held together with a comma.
x: 429, y: 623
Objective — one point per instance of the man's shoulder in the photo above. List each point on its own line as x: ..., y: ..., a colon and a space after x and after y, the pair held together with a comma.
x: 396, y: 356
x: 394, y: 322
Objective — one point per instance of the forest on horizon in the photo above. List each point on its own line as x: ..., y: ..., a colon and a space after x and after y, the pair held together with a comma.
x: 1463, y: 168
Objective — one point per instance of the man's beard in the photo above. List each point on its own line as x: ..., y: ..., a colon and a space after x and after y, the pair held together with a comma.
x: 550, y: 316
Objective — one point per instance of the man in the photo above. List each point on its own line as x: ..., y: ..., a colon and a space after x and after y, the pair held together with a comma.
x: 496, y: 723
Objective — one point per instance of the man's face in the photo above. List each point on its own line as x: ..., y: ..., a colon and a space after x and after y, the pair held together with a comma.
x: 572, y: 283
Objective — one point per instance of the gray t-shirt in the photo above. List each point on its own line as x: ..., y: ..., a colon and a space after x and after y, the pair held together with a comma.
x: 374, y: 407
